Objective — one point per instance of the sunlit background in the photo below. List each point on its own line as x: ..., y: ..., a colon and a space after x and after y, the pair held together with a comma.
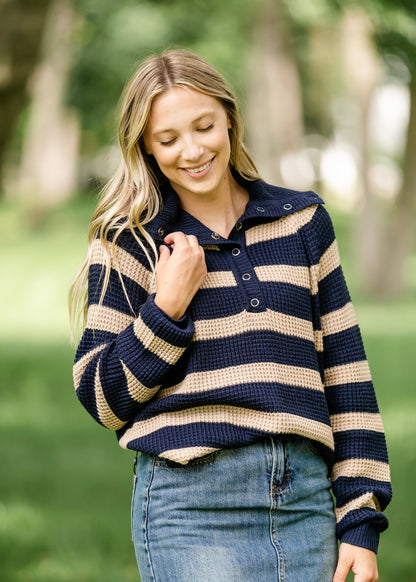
x: 328, y: 93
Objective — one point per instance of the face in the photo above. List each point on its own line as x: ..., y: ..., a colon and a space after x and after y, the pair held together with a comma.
x: 187, y: 134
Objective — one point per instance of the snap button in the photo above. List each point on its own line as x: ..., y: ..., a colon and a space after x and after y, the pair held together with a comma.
x: 260, y: 209
x: 246, y: 277
x: 235, y: 252
x: 287, y: 207
x: 161, y: 231
x: 239, y: 226
x: 254, y: 302
x: 215, y: 235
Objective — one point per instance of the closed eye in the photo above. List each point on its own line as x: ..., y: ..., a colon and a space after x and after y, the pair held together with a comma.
x: 168, y: 143
x: 206, y: 128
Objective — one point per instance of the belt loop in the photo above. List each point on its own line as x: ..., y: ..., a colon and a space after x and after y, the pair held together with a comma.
x: 135, y: 462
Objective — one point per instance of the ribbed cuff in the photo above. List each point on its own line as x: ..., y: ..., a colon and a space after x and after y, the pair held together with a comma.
x: 176, y: 331
x: 364, y: 536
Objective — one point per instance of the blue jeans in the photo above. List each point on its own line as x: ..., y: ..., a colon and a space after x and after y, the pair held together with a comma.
x: 258, y: 513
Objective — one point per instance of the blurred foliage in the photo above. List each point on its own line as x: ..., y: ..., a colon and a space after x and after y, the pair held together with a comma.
x: 113, y: 37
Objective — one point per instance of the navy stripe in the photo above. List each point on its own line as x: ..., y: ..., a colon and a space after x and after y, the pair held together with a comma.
x: 337, y: 357
x: 250, y: 348
x: 333, y: 292
x: 360, y: 444
x: 273, y: 397
x: 347, y: 487
x: 279, y: 251
x: 288, y: 299
x: 321, y: 224
x: 84, y: 394
x: 91, y: 339
x: 218, y: 302
x: 357, y: 397
x: 134, y: 291
x: 216, y: 435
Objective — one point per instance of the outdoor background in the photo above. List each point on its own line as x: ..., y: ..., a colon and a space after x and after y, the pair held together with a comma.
x: 328, y: 92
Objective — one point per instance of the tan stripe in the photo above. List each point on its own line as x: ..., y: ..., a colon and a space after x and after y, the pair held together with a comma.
x: 106, y: 415
x: 128, y: 265
x: 273, y: 422
x: 314, y: 276
x: 107, y: 319
x: 339, y: 320
x: 348, y: 373
x: 285, y: 226
x: 329, y: 261
x: 361, y: 468
x: 284, y: 274
x: 245, y: 374
x: 356, y: 421
x: 186, y: 454
x: 164, y: 350
x: 206, y: 329
x: 80, y: 366
x: 319, y: 340
x: 138, y: 391
x: 366, y: 500
x: 219, y: 279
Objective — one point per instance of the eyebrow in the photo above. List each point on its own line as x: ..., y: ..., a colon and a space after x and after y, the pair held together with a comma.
x: 199, y: 118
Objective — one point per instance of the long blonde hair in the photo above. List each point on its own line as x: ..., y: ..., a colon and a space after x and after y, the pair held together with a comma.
x: 132, y: 198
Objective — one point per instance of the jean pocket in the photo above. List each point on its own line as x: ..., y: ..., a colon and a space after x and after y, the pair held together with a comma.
x: 313, y: 447
x: 199, y: 461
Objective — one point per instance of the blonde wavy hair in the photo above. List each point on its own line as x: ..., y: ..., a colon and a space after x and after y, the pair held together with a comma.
x: 132, y: 198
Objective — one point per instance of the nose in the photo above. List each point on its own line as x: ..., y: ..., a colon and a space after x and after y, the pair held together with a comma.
x: 192, y: 150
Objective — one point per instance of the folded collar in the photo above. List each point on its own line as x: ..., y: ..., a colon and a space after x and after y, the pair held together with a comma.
x: 266, y: 203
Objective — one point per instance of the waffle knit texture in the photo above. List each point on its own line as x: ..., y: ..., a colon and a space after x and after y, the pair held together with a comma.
x: 269, y: 345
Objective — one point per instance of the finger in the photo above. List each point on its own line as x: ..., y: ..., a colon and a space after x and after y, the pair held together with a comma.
x: 164, y: 253
x: 192, y: 240
x: 341, y: 572
x: 175, y: 238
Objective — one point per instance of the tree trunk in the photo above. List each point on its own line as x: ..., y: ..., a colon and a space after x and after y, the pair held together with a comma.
x: 48, y: 172
x: 21, y: 26
x: 385, y: 228
x: 274, y: 113
x: 392, y: 275
x: 364, y: 75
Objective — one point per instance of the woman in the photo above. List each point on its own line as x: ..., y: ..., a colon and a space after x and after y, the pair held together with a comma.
x: 221, y: 343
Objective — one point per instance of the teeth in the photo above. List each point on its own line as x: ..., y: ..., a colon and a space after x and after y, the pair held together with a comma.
x: 201, y: 169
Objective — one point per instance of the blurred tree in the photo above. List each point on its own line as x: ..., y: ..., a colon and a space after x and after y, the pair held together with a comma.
x: 274, y: 98
x: 387, y: 227
x: 21, y: 26
x: 346, y: 51
x: 48, y: 169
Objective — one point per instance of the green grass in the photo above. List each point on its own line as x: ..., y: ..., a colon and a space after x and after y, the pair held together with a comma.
x: 65, y: 484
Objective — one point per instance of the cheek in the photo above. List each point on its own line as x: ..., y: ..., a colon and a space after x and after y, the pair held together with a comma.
x: 220, y: 141
x: 164, y: 157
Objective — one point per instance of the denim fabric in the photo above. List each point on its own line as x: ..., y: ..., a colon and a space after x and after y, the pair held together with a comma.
x: 259, y: 513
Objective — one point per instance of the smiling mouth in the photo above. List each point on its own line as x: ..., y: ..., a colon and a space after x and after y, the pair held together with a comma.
x: 200, y: 170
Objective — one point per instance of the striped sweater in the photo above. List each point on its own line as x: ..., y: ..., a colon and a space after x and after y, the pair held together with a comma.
x: 269, y: 345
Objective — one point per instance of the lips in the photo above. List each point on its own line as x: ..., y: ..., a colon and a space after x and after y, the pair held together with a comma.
x: 199, y: 171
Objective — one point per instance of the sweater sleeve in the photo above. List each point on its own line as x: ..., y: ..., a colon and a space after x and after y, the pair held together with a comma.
x: 360, y: 473
x: 129, y: 345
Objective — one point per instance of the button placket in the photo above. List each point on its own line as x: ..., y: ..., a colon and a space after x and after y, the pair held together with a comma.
x: 246, y: 277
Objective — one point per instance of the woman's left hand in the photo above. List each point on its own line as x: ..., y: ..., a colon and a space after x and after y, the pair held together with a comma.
x: 361, y: 561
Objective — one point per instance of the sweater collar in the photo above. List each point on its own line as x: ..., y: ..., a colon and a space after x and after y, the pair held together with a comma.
x: 266, y: 203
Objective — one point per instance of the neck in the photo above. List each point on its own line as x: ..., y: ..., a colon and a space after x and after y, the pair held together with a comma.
x: 219, y: 211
